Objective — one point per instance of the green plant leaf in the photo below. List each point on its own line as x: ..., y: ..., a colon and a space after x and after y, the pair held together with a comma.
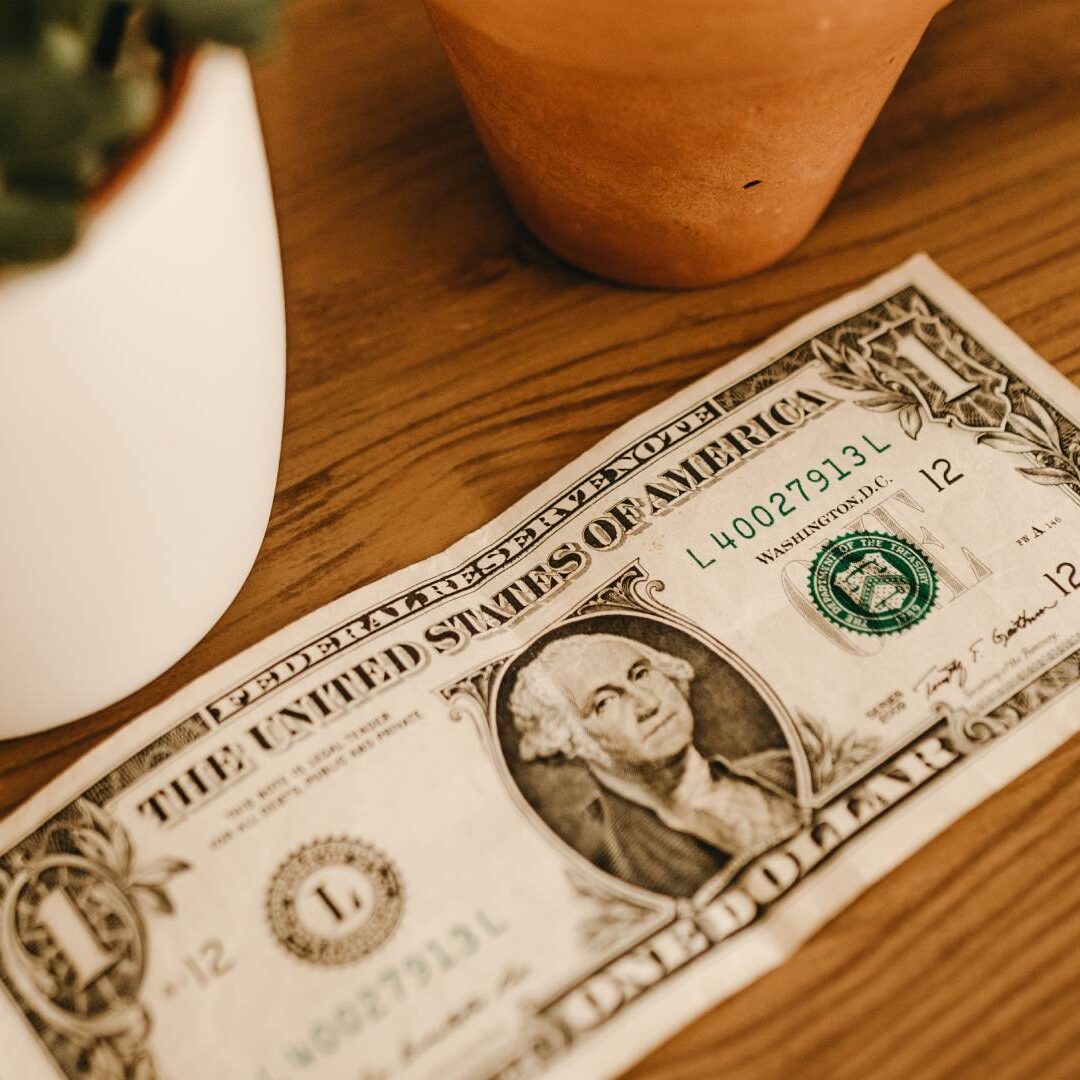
x: 80, y: 81
x: 247, y: 23
x: 33, y: 229
x: 44, y: 109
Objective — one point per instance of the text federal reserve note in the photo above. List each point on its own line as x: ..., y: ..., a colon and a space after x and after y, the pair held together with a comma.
x: 528, y: 807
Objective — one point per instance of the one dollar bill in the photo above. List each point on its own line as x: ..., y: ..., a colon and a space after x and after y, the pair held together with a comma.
x: 530, y: 806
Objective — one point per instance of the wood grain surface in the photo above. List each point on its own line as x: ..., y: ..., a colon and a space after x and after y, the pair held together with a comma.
x: 442, y: 364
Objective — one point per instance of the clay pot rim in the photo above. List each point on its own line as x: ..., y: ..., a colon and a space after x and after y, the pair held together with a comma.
x: 819, y: 43
x: 178, y: 82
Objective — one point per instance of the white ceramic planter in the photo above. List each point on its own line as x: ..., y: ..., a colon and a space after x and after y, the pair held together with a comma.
x: 141, y: 398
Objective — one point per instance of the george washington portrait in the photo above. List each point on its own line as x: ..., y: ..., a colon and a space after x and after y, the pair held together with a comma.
x: 647, y: 751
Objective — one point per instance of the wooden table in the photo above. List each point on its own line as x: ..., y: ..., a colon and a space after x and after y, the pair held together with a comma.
x: 442, y: 364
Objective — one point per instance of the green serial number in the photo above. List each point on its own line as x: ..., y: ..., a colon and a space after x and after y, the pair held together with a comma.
x: 800, y: 489
x: 394, y: 989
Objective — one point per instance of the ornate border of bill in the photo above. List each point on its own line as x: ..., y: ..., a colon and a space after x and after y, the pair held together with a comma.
x: 532, y: 805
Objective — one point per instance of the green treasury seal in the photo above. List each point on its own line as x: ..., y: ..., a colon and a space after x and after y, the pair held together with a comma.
x: 872, y: 583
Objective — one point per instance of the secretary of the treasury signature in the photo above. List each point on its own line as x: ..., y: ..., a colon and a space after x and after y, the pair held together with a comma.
x: 955, y: 673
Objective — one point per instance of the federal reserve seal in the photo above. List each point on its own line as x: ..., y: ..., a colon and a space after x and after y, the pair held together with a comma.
x: 334, y: 901
x: 872, y: 583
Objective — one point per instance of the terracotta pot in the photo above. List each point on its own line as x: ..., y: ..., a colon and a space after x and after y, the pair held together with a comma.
x: 141, y: 399
x: 678, y: 143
